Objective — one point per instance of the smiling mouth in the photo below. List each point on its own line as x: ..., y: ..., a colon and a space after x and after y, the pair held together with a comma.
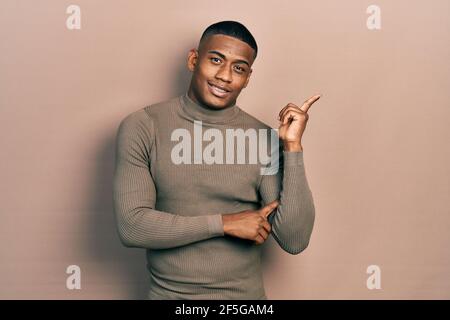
x: 218, y: 92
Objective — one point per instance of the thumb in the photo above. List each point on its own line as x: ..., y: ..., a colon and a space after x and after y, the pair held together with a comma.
x: 267, y: 209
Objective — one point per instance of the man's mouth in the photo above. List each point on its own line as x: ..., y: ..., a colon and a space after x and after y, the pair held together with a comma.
x: 218, y: 91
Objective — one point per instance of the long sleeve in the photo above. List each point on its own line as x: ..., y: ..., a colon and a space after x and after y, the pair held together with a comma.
x: 293, y: 221
x: 134, y: 195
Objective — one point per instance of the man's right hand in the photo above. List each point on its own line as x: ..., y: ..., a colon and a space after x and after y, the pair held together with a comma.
x: 249, y: 224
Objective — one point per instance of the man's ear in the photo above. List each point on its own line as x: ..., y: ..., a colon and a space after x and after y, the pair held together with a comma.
x: 192, y: 59
x: 248, y: 78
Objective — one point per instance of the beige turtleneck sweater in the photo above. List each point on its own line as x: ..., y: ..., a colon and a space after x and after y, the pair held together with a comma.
x: 174, y: 211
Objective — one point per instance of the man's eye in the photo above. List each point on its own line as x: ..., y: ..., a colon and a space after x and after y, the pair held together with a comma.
x: 215, y: 59
x: 240, y: 69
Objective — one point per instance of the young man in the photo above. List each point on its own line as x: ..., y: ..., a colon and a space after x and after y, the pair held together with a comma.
x: 202, y: 218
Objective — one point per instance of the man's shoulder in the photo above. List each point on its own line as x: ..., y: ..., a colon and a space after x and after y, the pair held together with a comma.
x: 147, y: 114
x: 163, y: 107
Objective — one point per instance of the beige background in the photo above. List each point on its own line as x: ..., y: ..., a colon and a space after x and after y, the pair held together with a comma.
x: 376, y: 146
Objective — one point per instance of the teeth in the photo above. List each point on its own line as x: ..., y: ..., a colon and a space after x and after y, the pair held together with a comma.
x: 221, y: 90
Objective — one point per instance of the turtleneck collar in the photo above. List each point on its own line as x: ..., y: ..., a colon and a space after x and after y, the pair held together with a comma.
x: 199, y: 112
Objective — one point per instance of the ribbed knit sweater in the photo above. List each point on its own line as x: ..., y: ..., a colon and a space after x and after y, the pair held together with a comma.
x: 174, y: 211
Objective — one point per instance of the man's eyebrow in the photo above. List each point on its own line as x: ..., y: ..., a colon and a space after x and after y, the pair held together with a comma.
x: 223, y: 57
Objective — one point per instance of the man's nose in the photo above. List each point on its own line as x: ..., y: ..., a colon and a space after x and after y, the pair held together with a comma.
x: 224, y: 74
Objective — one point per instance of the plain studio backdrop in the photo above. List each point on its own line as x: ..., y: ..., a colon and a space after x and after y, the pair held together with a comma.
x: 376, y: 146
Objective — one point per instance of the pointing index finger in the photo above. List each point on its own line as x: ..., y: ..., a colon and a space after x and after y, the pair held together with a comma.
x: 308, y: 103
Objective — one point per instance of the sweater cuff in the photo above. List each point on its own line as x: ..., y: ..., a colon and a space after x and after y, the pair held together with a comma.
x: 293, y: 158
x: 215, y: 225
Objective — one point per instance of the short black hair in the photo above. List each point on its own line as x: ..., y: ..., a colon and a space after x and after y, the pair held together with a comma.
x: 233, y: 29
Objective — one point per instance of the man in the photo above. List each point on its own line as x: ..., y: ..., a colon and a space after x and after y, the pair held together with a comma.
x: 202, y: 221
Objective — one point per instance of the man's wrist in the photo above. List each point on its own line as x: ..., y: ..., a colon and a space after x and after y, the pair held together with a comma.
x: 224, y: 223
x: 292, y: 147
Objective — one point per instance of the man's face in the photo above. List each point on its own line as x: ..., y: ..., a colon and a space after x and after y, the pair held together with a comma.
x: 221, y: 69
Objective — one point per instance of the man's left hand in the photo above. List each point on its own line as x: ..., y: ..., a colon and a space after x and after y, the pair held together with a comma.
x: 293, y: 123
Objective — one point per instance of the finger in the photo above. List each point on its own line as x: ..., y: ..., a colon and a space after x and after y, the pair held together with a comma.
x: 269, y: 208
x: 268, y: 213
x: 290, y: 114
x: 263, y: 233
x: 266, y: 225
x: 290, y: 104
x: 294, y: 115
x: 291, y: 107
x: 281, y: 111
x: 308, y: 103
x: 259, y: 240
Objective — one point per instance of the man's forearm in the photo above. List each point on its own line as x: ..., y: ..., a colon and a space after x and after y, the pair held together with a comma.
x: 293, y: 221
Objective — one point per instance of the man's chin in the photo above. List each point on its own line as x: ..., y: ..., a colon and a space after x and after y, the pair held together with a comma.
x: 215, y: 102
